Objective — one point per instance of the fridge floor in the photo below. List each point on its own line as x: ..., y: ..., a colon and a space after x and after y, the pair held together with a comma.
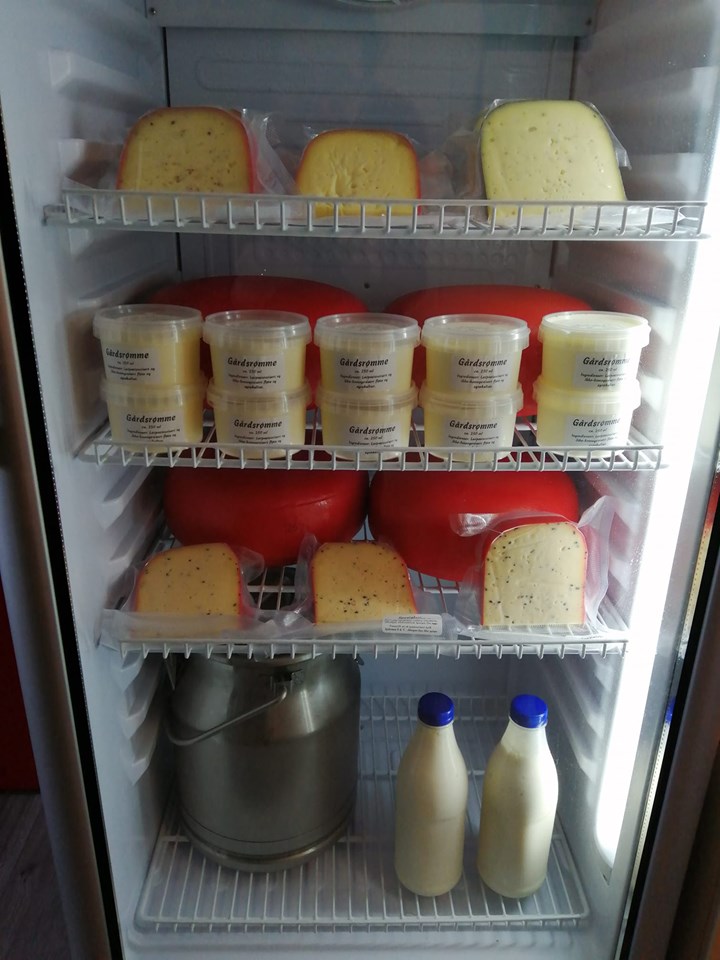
x: 352, y: 884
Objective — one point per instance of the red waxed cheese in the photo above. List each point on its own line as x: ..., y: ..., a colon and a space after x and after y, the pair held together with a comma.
x: 530, y: 304
x: 268, y: 511
x: 418, y: 512
x: 307, y: 297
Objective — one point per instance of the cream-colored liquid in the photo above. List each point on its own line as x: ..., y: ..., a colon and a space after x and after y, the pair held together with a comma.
x: 430, y: 802
x: 467, y: 365
x: 144, y: 358
x: 259, y: 367
x: 519, y: 799
x: 467, y: 428
x: 376, y: 428
x: 367, y: 366
x: 273, y: 424
x: 584, y: 361
x: 140, y: 422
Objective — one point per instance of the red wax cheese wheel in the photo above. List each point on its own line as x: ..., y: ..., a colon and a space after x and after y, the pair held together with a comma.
x: 530, y: 304
x: 417, y: 512
x: 307, y: 297
x: 268, y: 511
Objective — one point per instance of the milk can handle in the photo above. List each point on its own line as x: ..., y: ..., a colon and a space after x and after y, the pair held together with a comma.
x: 189, y: 741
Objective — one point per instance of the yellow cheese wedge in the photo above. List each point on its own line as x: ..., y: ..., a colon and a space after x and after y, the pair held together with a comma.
x: 359, y: 581
x: 533, y: 574
x: 547, y: 150
x: 201, y: 579
x: 359, y: 163
x: 188, y: 149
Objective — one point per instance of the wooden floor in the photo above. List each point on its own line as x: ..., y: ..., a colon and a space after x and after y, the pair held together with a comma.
x: 31, y: 922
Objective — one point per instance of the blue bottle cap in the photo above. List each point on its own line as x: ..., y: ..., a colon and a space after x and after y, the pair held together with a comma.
x: 528, y: 711
x: 435, y: 709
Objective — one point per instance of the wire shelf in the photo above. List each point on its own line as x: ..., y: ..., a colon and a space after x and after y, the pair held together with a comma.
x: 352, y: 886
x: 428, y: 218
x: 524, y: 455
x: 275, y: 591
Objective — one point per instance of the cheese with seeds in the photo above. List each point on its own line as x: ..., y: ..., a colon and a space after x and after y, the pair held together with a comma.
x: 359, y: 581
x: 533, y: 574
x: 202, y: 579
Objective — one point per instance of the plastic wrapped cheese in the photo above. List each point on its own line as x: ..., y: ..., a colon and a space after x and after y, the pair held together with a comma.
x: 205, y: 579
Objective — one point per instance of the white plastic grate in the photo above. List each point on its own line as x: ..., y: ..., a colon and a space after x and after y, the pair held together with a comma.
x: 524, y: 455
x: 429, y: 218
x: 352, y: 885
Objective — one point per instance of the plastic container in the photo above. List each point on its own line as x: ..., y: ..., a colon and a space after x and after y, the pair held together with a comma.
x: 143, y: 416
x: 584, y: 418
x: 264, y: 421
x: 519, y: 800
x: 150, y: 344
x: 372, y: 420
x: 257, y: 351
x: 473, y: 352
x: 430, y: 802
x: 483, y: 421
x: 366, y: 353
x: 591, y: 349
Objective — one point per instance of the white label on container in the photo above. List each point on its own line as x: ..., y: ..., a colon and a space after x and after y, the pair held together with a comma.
x: 461, y: 432
x: 165, y: 426
x: 131, y: 365
x: 367, y: 372
x: 267, y: 431
x: 256, y: 373
x: 481, y: 373
x: 602, y: 370
x: 374, y: 435
x: 429, y: 624
x: 593, y: 431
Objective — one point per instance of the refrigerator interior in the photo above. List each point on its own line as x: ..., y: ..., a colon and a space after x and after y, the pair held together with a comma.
x: 73, y: 77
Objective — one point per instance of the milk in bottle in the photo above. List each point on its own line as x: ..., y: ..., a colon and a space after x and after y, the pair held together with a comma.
x: 430, y: 802
x: 519, y: 799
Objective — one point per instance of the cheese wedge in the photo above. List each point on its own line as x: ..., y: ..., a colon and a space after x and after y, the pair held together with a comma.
x: 359, y: 581
x: 201, y: 579
x: 359, y: 163
x: 547, y: 150
x: 533, y: 574
x: 188, y: 149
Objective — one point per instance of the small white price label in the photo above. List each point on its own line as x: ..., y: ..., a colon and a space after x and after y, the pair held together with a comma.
x: 428, y: 624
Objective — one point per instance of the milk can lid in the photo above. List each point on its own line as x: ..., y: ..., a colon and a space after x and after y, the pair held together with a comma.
x: 528, y: 711
x: 436, y: 709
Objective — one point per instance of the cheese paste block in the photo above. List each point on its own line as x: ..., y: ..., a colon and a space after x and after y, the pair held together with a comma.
x: 548, y: 150
x: 188, y: 149
x: 359, y: 163
x: 359, y: 581
x: 533, y: 574
x: 202, y: 579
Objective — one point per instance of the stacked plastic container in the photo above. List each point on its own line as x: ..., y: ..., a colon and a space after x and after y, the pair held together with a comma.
x: 153, y: 385
x: 588, y: 387
x: 366, y: 394
x: 258, y: 391
x: 471, y: 394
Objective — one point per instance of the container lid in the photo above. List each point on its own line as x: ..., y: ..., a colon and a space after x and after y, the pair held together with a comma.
x: 152, y: 321
x: 129, y: 392
x: 359, y: 402
x: 608, y: 330
x: 489, y: 332
x: 600, y: 400
x: 435, y: 709
x: 387, y: 330
x: 490, y: 402
x: 277, y: 326
x: 217, y: 397
x: 529, y: 711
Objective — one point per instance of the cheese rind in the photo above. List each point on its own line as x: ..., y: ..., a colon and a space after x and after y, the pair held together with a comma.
x: 359, y: 163
x: 188, y: 149
x: 533, y: 574
x: 359, y: 582
x: 205, y: 579
x: 548, y: 150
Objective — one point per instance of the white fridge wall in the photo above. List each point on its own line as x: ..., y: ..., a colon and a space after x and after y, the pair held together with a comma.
x: 86, y: 71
